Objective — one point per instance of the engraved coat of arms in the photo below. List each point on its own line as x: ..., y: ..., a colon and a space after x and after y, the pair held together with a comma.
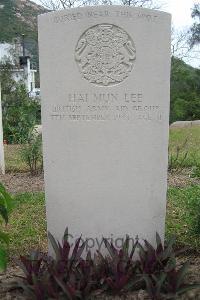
x: 105, y: 54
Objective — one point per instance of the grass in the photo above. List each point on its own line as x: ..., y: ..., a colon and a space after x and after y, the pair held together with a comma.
x: 177, y: 138
x: 188, y: 141
x: 27, y: 224
x: 183, y: 216
x: 13, y: 159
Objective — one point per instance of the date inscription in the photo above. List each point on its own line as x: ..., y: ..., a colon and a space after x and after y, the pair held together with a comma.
x: 106, y: 107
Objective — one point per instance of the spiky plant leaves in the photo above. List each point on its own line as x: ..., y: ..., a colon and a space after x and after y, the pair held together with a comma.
x: 4, y: 213
x: 5, y: 198
x: 181, y: 274
x: 55, y: 246
x: 159, y: 244
x: 3, y: 259
x: 66, y: 235
x: 70, y: 276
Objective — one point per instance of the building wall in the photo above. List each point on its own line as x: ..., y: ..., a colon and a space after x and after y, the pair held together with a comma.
x: 5, y: 52
x: 26, y: 74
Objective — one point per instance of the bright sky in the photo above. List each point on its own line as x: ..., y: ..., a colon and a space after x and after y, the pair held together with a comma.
x: 180, y: 10
x: 181, y: 19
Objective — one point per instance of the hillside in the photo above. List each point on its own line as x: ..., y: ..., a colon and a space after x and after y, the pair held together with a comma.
x: 185, y: 91
x: 19, y: 17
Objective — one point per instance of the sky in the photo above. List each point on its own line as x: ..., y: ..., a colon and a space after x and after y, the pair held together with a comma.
x: 181, y: 20
x: 180, y: 10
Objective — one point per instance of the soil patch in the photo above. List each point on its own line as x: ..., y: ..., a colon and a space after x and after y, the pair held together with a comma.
x: 25, y: 182
x: 22, y: 182
x: 182, y: 179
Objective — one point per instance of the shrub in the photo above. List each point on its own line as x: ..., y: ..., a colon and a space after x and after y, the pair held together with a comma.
x: 70, y: 276
x: 20, y: 113
x: 6, y: 203
x: 31, y: 153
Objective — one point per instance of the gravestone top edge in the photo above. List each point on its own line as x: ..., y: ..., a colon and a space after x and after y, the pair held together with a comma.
x: 107, y: 7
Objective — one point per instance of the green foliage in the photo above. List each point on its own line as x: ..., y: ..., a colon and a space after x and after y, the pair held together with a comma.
x: 20, y: 113
x: 8, y: 21
x: 7, y: 83
x: 183, y: 216
x: 185, y: 91
x: 31, y: 153
x: 70, y: 276
x: 6, y: 203
x: 196, y: 171
x: 195, y: 29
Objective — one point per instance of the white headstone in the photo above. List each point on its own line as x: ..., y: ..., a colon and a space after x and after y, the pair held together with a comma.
x: 2, y: 161
x: 105, y: 74
x: 181, y: 124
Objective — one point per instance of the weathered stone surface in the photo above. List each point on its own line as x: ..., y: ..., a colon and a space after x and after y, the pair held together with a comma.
x: 105, y: 103
x: 185, y: 124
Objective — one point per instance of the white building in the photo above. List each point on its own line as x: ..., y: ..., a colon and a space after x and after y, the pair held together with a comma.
x: 22, y: 69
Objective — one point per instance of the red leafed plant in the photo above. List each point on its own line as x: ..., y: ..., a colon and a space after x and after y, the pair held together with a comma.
x: 159, y: 270
x: 68, y: 275
x: 121, y: 269
x: 60, y: 276
x: 152, y: 260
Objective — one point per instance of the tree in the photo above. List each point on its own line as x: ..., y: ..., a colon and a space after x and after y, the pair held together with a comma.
x: 63, y: 4
x: 20, y: 113
x: 7, y: 82
x: 185, y: 91
x: 141, y: 3
x: 179, y: 44
x: 195, y: 29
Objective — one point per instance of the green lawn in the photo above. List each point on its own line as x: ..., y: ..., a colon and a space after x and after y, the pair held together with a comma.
x: 187, y: 139
x: 27, y: 224
x: 13, y: 159
x: 183, y: 216
x: 187, y: 142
